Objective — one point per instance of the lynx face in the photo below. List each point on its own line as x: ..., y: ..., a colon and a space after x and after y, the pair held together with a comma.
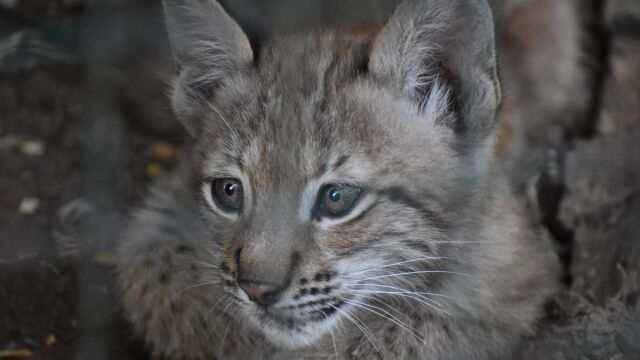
x: 334, y: 169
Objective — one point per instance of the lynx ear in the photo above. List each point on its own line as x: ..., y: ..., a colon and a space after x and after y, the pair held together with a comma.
x: 208, y: 46
x: 433, y: 50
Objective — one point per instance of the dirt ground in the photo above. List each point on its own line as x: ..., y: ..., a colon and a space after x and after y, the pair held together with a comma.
x: 40, y: 260
x: 85, y: 127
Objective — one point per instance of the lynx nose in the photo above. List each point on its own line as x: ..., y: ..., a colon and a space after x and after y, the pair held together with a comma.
x: 260, y: 293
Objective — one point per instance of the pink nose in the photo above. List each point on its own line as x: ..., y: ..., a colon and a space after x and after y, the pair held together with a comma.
x: 261, y: 293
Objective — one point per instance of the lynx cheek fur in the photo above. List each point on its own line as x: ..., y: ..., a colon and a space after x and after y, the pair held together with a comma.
x: 346, y: 203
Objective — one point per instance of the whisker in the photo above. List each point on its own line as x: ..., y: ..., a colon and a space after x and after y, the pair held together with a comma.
x: 207, y: 265
x: 203, y: 260
x: 466, y: 242
x: 225, y: 333
x: 333, y: 340
x: 208, y: 251
x: 405, y: 290
x: 366, y: 333
x: 413, y: 273
x: 406, y: 296
x: 406, y: 293
x: 224, y: 297
x: 224, y: 311
x: 396, y: 264
x: 195, y: 286
x: 422, y: 295
x: 390, y: 317
x: 391, y: 308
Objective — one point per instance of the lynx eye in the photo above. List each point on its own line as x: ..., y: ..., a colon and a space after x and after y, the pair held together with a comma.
x: 335, y: 200
x: 227, y: 193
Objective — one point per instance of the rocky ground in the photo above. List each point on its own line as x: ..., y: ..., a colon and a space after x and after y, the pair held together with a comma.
x: 84, y: 127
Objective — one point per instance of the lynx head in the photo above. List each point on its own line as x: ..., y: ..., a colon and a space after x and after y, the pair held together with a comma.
x: 335, y: 167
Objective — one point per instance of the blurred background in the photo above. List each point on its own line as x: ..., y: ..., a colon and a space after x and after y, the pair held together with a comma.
x: 86, y: 125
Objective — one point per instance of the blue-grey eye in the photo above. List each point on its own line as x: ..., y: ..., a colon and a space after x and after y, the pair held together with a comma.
x: 335, y: 200
x: 228, y: 194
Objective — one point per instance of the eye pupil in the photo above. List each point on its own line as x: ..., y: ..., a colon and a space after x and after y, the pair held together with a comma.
x: 334, y: 195
x: 337, y: 200
x: 230, y: 188
x: 227, y: 194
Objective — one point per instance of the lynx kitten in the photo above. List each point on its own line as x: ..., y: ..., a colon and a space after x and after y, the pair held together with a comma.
x: 340, y: 199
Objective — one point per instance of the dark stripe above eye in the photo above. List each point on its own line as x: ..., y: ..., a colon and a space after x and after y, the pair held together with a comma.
x: 341, y: 160
x: 324, y: 166
x: 400, y: 195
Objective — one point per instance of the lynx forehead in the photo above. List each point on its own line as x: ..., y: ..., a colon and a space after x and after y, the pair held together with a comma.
x: 344, y: 181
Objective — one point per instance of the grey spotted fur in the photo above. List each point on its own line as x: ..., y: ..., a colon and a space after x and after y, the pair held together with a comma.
x: 436, y: 261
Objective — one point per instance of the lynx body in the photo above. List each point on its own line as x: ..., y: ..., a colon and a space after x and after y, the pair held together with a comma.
x: 340, y: 198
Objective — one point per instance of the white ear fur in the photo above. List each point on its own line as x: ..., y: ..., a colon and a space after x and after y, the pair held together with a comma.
x: 440, y: 54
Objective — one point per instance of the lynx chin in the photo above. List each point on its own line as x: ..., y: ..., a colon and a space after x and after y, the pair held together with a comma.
x: 339, y: 199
